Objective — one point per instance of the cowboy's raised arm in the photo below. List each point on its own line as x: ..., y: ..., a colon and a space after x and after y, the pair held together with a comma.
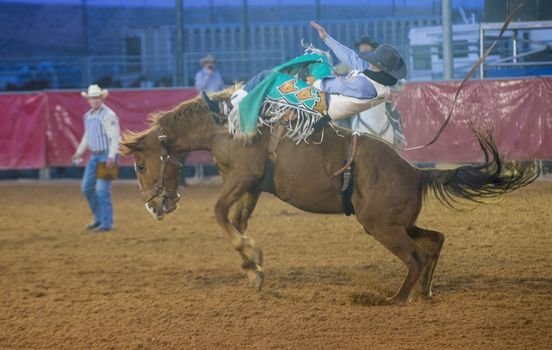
x: 343, y: 53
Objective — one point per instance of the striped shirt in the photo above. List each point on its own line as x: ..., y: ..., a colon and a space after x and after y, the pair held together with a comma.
x: 95, y: 133
x: 101, y: 132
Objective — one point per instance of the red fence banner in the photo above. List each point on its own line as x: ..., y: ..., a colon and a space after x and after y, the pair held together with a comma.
x: 518, y: 110
x: 44, y: 129
x: 22, y: 136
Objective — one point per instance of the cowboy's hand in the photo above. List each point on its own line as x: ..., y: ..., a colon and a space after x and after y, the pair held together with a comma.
x: 321, y: 31
x: 110, y: 163
x: 75, y: 158
x: 399, y: 86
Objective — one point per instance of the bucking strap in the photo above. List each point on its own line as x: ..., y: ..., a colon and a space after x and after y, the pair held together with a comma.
x: 347, y: 182
x: 266, y: 184
x: 352, y: 154
x: 275, y: 138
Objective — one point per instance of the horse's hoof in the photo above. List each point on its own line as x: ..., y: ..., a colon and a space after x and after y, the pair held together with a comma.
x: 256, y: 278
x: 427, y: 294
x: 398, y: 300
x: 426, y: 298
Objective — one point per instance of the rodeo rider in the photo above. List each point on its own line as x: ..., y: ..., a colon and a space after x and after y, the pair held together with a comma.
x: 375, y: 74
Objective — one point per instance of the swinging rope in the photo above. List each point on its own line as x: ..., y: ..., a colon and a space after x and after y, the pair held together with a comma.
x: 465, y: 80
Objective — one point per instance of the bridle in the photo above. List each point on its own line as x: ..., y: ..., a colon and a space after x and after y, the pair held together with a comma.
x: 159, y: 188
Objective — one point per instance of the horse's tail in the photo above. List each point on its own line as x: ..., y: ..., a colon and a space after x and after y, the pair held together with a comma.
x: 482, y: 181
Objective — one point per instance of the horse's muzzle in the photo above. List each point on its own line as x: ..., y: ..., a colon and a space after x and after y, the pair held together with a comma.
x: 154, y: 210
x: 169, y: 204
x: 162, y: 205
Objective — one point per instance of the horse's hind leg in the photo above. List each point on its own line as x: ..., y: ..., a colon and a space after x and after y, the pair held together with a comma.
x: 398, y: 242
x: 241, y: 211
x: 252, y: 256
x: 431, y: 242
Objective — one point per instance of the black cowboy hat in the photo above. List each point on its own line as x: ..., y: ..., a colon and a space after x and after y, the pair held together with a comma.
x: 387, y: 58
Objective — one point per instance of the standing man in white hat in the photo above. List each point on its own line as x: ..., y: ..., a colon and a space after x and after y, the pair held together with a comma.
x: 101, y: 136
x: 208, y: 79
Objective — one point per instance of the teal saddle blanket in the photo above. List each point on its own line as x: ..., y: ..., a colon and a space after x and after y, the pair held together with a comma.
x: 282, y: 91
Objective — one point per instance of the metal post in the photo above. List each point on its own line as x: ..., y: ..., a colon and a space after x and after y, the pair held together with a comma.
x: 515, y: 46
x: 179, y: 52
x: 481, y: 48
x: 245, y: 30
x: 447, y: 39
x: 84, y: 27
x: 44, y: 174
x: 318, y: 12
x: 199, y: 173
x: 211, y: 11
x: 85, y: 45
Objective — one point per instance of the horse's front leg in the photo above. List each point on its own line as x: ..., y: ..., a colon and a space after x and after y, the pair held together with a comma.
x: 233, y: 189
x: 242, y: 210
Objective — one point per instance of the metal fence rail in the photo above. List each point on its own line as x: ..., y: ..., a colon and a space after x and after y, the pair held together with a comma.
x: 284, y: 40
x: 241, y: 52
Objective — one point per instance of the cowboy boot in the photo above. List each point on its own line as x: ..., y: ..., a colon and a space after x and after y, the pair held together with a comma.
x: 219, y: 109
x: 321, y: 123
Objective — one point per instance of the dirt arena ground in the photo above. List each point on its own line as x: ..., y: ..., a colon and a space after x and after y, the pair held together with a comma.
x: 178, y: 283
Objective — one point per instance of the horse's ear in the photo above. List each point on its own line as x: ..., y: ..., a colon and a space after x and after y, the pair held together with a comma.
x: 128, y: 147
x: 130, y: 144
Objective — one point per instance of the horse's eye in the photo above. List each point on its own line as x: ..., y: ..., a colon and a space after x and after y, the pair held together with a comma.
x: 141, y: 167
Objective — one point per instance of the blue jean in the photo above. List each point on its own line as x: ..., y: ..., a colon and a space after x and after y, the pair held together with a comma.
x: 98, y: 192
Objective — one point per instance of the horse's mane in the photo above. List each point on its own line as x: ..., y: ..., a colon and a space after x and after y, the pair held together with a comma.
x: 192, y: 111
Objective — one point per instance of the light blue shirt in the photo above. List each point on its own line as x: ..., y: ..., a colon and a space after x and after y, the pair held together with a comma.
x: 95, y: 131
x: 101, y: 132
x: 208, y: 82
x: 352, y: 86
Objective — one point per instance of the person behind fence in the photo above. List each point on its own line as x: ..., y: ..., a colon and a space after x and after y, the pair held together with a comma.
x: 364, y: 44
x: 101, y: 137
x: 208, y: 79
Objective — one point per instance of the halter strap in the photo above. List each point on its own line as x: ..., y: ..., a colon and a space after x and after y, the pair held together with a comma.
x: 166, y: 158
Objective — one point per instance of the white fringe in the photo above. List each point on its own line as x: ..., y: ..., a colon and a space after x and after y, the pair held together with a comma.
x: 272, y: 113
x: 299, y: 129
x: 234, y: 127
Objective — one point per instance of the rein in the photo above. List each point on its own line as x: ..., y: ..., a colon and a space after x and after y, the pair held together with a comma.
x: 166, y: 158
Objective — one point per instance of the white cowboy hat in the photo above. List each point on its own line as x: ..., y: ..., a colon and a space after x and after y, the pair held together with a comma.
x: 95, y: 91
x: 208, y: 58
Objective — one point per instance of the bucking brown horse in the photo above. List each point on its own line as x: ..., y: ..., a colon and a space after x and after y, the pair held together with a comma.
x: 387, y: 191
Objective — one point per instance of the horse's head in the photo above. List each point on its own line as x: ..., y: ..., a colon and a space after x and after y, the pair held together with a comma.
x: 191, y: 127
x: 157, y: 170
